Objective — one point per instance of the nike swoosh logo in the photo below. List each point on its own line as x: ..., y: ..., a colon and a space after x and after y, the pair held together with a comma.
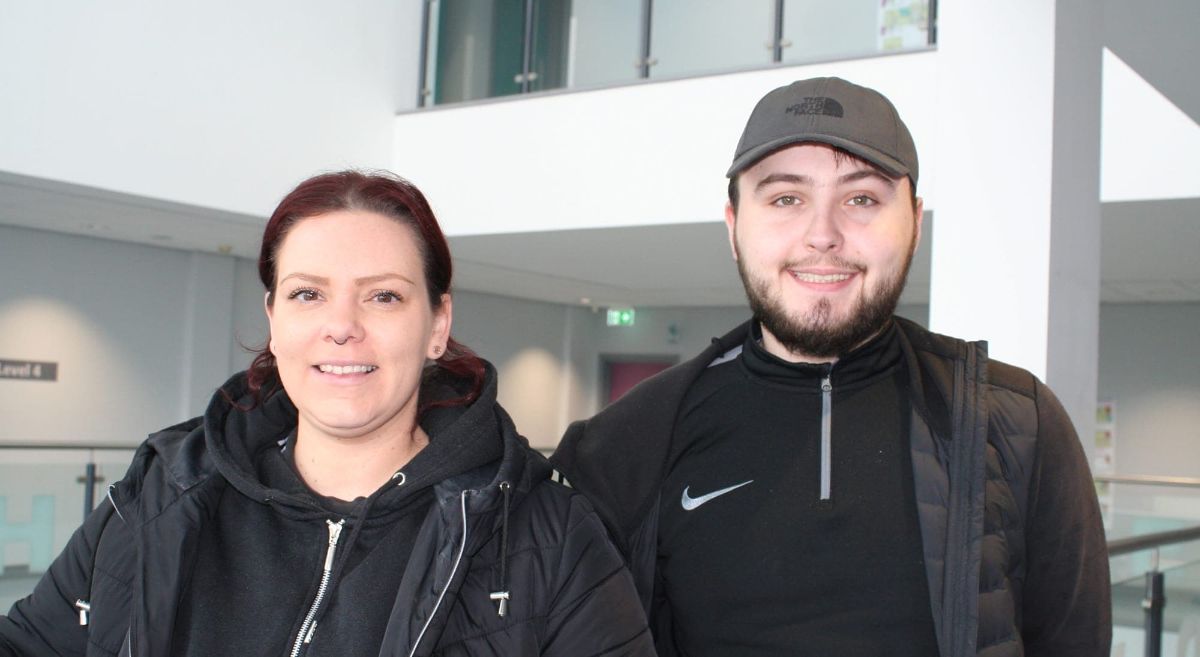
x: 690, y: 503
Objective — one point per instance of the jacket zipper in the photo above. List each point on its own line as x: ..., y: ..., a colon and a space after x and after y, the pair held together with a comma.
x: 826, y: 435
x: 306, y: 629
x: 454, y: 569
x: 114, y: 502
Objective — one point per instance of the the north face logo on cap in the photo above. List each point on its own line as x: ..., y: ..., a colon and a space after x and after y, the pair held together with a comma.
x: 816, y: 105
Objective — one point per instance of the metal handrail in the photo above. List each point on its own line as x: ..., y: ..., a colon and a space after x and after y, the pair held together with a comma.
x: 89, y: 478
x: 1150, y: 480
x: 1155, y: 600
x: 1138, y: 543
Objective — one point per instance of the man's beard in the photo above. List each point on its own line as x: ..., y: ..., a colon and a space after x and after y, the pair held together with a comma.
x: 814, y: 334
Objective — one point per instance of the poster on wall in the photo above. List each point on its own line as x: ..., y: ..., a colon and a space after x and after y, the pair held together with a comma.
x: 1104, y: 456
x: 903, y: 24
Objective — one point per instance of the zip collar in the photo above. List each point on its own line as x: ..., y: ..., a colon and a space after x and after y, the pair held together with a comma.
x: 877, y: 358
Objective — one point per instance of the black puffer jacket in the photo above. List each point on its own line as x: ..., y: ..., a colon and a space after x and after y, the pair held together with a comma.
x: 1010, y: 526
x: 499, y: 527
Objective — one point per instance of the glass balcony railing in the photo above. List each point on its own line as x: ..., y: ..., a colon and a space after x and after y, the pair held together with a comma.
x: 45, y: 492
x: 1153, y: 529
x: 476, y: 49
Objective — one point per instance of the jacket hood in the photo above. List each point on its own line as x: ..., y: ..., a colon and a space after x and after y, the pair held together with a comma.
x: 471, y: 446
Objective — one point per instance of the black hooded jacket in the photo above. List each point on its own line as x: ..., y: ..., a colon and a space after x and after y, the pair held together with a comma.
x: 423, y: 563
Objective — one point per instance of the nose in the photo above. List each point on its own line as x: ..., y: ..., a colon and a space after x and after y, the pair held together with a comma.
x: 822, y: 234
x: 342, y: 323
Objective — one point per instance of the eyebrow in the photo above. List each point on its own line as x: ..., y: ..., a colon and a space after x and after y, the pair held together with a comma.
x: 800, y: 179
x: 790, y: 178
x: 365, y: 280
x: 863, y: 174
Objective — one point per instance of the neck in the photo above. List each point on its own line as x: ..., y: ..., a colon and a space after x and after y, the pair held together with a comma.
x: 349, y: 468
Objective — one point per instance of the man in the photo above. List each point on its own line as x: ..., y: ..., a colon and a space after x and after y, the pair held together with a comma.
x: 829, y: 479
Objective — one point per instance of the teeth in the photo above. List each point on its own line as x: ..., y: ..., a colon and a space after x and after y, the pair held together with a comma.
x: 820, y: 278
x: 346, y: 369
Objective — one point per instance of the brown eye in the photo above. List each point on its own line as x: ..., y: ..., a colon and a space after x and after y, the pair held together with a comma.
x: 304, y: 294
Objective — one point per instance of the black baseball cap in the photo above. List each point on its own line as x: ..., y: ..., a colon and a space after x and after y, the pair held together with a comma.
x: 829, y: 111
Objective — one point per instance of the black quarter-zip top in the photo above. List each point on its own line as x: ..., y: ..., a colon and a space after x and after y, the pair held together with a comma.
x: 788, y: 515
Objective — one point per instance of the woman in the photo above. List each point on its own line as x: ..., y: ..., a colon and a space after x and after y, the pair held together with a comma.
x: 358, y: 491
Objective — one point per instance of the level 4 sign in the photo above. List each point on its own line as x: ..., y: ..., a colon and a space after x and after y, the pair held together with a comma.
x: 28, y: 370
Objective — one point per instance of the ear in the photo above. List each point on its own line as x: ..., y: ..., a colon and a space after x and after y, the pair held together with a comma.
x: 920, y: 219
x: 731, y: 228
x: 270, y: 311
x: 443, y: 317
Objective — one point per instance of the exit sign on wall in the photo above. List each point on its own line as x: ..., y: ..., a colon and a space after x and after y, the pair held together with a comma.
x: 620, y: 316
x: 28, y: 370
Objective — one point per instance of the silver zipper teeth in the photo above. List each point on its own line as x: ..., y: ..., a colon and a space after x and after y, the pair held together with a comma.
x: 304, y: 636
x: 457, y: 560
x: 826, y: 438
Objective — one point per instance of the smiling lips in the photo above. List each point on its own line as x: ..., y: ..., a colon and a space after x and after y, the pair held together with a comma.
x: 809, y: 277
x: 346, y: 369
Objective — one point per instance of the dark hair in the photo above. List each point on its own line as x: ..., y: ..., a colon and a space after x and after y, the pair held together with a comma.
x: 393, y: 197
x: 840, y: 155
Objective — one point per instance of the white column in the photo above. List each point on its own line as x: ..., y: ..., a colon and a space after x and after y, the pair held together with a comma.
x: 1016, y: 235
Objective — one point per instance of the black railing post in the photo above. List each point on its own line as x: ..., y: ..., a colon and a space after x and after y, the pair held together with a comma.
x: 932, y: 9
x: 89, y: 489
x: 645, y: 61
x: 777, y: 33
x: 527, y: 75
x: 424, y: 94
x: 1154, y: 603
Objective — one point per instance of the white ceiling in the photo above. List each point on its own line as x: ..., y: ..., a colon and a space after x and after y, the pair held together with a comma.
x: 1148, y: 249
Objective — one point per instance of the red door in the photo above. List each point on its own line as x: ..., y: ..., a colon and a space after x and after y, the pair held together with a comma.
x: 624, y: 375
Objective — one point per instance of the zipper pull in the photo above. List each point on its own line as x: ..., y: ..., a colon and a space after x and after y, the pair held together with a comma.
x: 335, y: 531
x: 84, y: 608
x: 311, y: 630
x: 826, y: 435
x: 502, y: 597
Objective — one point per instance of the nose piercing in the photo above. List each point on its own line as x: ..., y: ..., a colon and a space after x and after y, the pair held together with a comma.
x: 335, y: 341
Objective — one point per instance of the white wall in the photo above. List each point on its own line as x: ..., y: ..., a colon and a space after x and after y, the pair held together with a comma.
x: 221, y: 104
x: 1150, y: 366
x: 526, y: 341
x: 141, y: 335
x: 250, y: 331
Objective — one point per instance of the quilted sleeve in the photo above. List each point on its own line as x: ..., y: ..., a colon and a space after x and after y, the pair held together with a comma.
x: 1067, y: 606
